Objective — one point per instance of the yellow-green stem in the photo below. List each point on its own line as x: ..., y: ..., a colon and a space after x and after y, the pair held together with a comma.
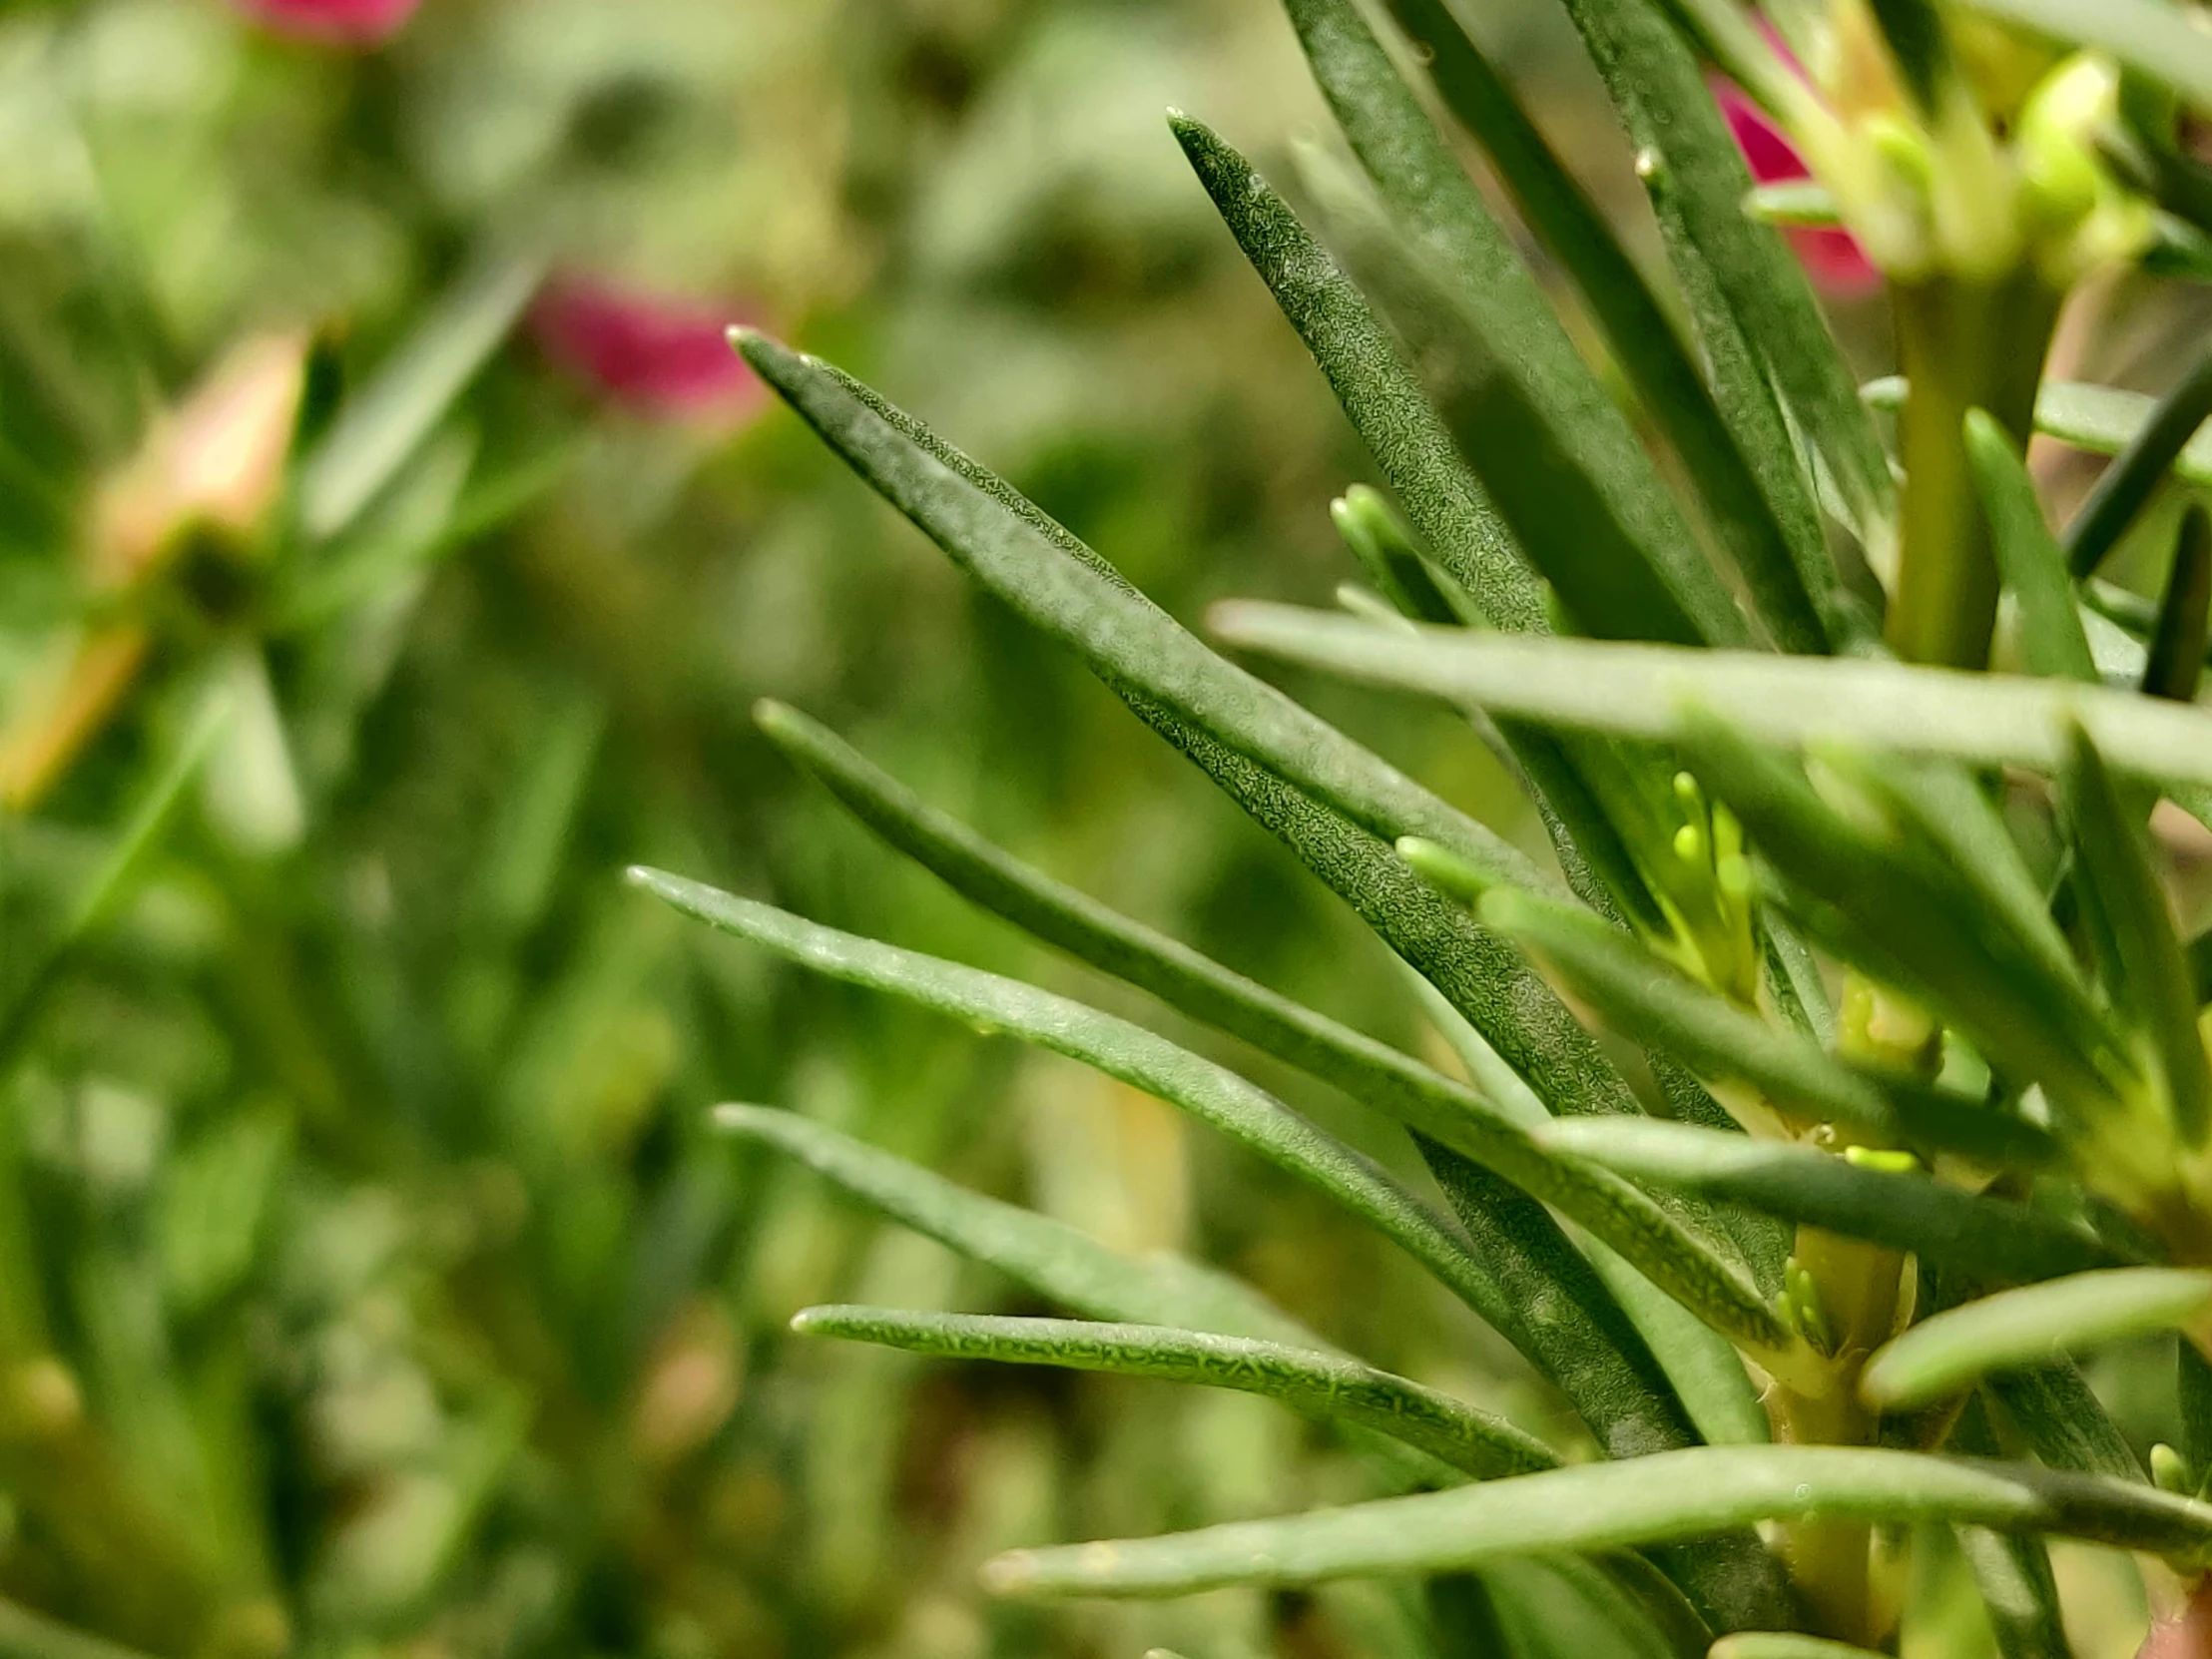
x: 1961, y: 345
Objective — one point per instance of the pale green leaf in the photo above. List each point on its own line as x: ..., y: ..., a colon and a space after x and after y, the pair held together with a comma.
x: 1643, y: 1500
x: 1904, y: 1210
x: 2152, y: 39
x: 1049, y: 1257
x: 1783, y: 1644
x: 380, y: 426
x: 2028, y: 556
x: 1659, y: 692
x: 2018, y: 1328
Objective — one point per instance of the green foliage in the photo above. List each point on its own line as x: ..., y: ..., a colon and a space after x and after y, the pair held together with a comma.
x: 2013, y: 1088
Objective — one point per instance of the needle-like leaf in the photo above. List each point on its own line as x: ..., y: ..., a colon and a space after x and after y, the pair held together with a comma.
x: 379, y: 429
x: 1758, y: 320
x: 1776, y: 545
x: 2103, y: 420
x: 1121, y: 635
x: 1906, y: 1211
x: 1950, y: 1352
x: 1049, y: 1257
x: 2176, y: 660
x: 1611, y: 541
x: 1659, y: 692
x: 2153, y: 40
x: 1783, y: 1644
x: 1317, y: 1383
x: 1608, y: 1207
x: 1646, y: 998
x: 1673, y: 1495
x: 2157, y: 987
x: 2129, y: 481
x: 2028, y: 556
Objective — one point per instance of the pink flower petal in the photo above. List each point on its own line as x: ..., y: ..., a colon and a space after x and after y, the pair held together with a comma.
x: 657, y: 353
x: 336, y: 22
x: 1833, y: 258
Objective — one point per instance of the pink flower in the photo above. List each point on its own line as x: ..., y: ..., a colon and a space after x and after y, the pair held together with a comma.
x: 1832, y: 258
x: 657, y: 353
x: 335, y: 22
x: 2187, y: 1634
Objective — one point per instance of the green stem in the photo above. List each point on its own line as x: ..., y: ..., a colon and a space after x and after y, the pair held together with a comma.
x: 1961, y: 345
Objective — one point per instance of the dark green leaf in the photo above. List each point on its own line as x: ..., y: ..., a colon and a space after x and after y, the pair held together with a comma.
x: 1775, y: 546
x: 1319, y: 1385
x: 1120, y: 634
x: 1530, y: 410
x: 2131, y: 480
x: 1758, y: 320
x: 2176, y: 661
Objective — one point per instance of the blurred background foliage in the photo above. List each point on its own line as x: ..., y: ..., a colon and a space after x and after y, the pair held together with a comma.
x: 384, y: 562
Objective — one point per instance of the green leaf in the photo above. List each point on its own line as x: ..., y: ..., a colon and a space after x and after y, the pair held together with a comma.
x: 2193, y: 1399
x: 1674, y: 1495
x: 1611, y: 1208
x: 1758, y: 320
x: 1386, y: 551
x: 1783, y: 1644
x: 1121, y: 635
x: 1950, y: 1352
x: 2154, y: 40
x: 2028, y: 556
x: 2014, y: 1573
x: 1049, y: 1257
x: 28, y: 1635
x: 1378, y: 390
x: 378, y: 428
x: 2157, y: 987
x: 1788, y: 576
x: 2100, y: 419
x: 1652, y: 1001
x: 1136, y: 1056
x: 1533, y: 1266
x: 2062, y: 1420
x: 2131, y: 480
x: 1418, y: 455
x: 1906, y: 1211
x: 149, y: 819
x: 1660, y: 693
x: 1564, y: 1318
x: 1319, y: 1384
x: 1703, y: 1364
x: 2176, y: 660
x: 1626, y: 554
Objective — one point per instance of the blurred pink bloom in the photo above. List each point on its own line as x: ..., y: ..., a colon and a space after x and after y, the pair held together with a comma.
x: 654, y: 351
x: 1832, y: 258
x: 339, y: 22
x: 2187, y: 1634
